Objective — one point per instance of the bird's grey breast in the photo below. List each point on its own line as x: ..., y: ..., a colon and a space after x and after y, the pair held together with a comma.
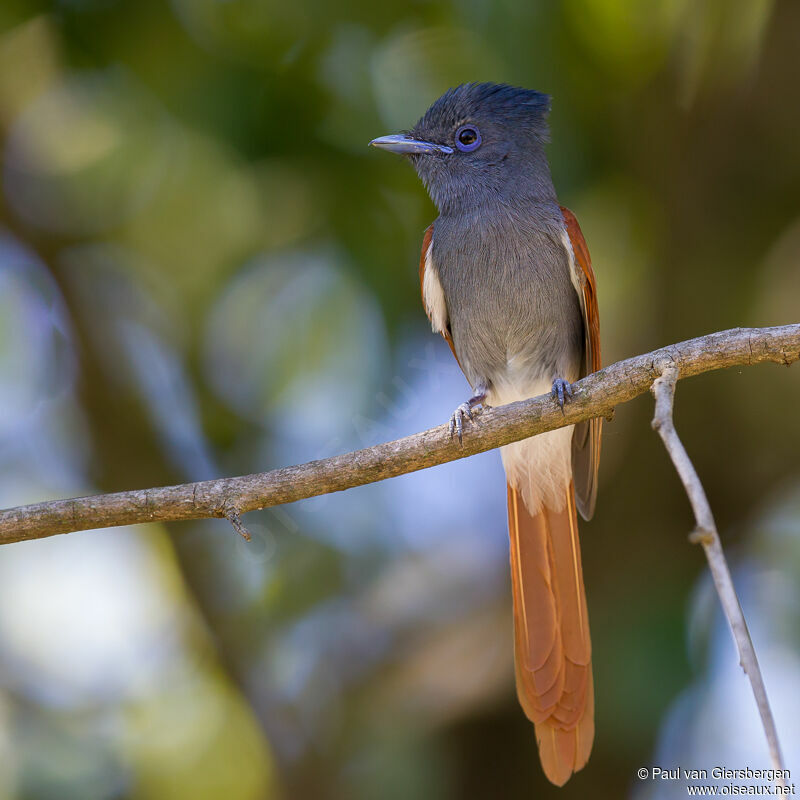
x: 513, y: 310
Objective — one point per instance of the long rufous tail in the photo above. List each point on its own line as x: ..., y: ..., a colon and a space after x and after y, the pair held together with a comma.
x: 552, y: 649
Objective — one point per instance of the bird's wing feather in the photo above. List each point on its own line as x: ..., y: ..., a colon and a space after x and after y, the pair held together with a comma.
x: 586, y: 440
x: 425, y: 262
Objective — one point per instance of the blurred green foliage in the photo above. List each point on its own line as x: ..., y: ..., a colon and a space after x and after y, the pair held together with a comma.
x: 204, y: 271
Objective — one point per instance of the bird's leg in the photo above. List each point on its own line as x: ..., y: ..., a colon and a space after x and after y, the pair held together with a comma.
x: 561, y: 391
x: 467, y: 410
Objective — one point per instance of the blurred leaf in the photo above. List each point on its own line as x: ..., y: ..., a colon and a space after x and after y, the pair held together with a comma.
x: 198, y: 740
x: 30, y: 63
x: 85, y: 154
x: 414, y: 65
x: 292, y: 337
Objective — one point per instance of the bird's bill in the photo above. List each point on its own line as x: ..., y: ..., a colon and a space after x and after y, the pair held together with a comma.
x: 400, y: 143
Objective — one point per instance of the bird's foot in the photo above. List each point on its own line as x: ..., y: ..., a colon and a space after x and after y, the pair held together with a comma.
x: 464, y: 411
x: 468, y: 411
x: 561, y: 391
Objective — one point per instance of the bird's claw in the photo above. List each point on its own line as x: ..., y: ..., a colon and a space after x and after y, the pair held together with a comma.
x: 457, y: 420
x: 561, y: 391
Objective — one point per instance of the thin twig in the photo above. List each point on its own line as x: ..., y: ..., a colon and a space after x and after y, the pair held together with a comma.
x: 232, y: 515
x: 594, y: 396
x: 706, y: 534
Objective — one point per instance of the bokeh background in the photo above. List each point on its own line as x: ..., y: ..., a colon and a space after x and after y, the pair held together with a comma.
x: 204, y: 272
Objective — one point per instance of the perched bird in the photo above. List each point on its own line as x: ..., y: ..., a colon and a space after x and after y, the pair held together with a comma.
x: 506, y: 279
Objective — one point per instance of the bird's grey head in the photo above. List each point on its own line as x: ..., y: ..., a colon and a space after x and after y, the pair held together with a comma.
x: 480, y: 143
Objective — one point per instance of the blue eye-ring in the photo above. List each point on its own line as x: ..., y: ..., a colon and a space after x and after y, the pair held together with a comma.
x: 468, y: 138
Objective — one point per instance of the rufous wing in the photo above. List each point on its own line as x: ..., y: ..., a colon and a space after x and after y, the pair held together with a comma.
x: 586, y: 439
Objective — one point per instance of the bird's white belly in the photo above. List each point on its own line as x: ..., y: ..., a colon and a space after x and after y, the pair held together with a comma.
x: 540, y: 468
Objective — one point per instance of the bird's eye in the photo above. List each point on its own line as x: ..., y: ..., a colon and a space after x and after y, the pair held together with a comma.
x: 468, y: 138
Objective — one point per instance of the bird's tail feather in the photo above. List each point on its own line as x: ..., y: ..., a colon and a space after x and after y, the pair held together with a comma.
x: 552, y: 649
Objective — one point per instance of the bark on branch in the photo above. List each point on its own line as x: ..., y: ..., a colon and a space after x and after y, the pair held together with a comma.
x: 595, y: 396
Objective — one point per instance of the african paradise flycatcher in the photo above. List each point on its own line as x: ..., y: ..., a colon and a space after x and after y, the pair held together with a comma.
x: 506, y: 279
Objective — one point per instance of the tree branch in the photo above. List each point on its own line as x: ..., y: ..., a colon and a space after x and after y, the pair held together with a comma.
x: 595, y: 396
x: 706, y: 534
